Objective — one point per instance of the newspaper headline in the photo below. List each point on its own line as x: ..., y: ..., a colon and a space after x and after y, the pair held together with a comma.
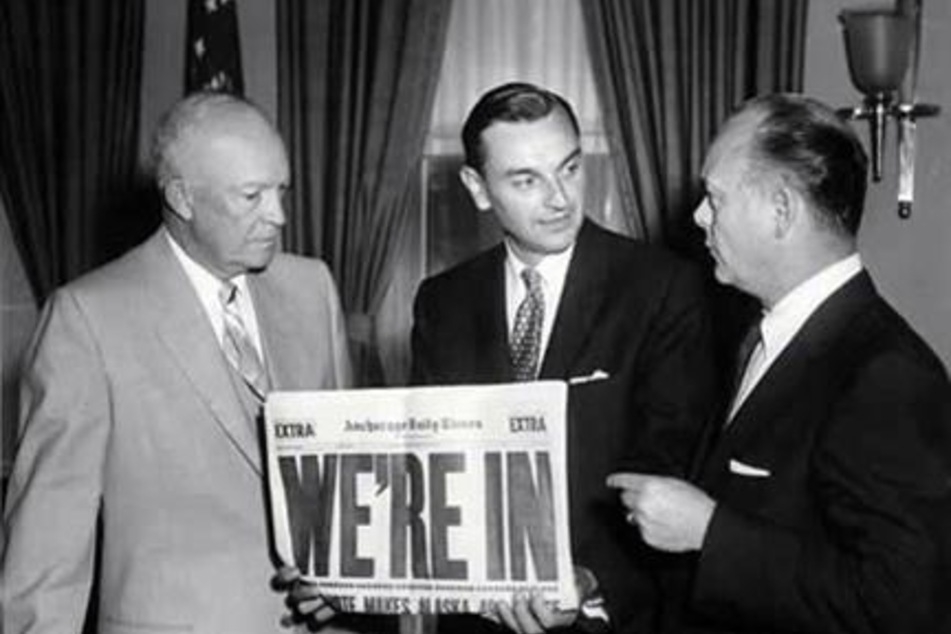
x: 423, y: 500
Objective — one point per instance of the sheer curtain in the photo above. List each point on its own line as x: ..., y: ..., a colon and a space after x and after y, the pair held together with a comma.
x: 356, y: 80
x: 668, y: 73
x: 69, y: 103
x: 494, y: 41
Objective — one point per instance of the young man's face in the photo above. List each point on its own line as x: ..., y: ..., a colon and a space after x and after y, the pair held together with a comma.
x: 532, y: 178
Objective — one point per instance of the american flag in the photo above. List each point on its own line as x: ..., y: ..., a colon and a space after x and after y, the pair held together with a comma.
x: 213, y: 58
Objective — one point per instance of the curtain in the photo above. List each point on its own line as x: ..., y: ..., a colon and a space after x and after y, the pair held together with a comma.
x: 69, y: 103
x: 491, y: 42
x: 356, y: 82
x: 668, y: 73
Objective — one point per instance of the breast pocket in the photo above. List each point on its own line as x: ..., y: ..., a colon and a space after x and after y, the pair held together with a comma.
x: 774, y: 489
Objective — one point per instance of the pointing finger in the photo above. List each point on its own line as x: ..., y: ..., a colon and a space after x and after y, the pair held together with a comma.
x: 627, y: 480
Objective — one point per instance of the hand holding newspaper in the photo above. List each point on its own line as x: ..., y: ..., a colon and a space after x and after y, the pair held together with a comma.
x: 423, y: 500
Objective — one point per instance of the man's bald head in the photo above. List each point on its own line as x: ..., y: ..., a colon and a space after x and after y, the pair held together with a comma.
x: 195, y: 116
x: 222, y: 170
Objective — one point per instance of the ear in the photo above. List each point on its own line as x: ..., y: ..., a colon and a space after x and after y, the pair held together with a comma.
x: 475, y: 184
x: 787, y: 209
x: 178, y: 199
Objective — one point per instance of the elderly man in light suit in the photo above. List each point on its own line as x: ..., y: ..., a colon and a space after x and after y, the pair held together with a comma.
x: 141, y: 397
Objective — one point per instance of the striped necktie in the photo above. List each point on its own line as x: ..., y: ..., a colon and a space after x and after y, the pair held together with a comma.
x: 237, y: 345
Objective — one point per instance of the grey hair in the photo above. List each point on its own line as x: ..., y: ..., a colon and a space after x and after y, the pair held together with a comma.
x: 180, y: 121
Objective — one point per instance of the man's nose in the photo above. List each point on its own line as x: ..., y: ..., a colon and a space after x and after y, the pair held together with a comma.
x: 557, y: 196
x: 702, y: 215
x: 274, y: 209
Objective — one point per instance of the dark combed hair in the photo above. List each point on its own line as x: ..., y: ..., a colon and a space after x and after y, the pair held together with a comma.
x: 815, y: 148
x: 516, y: 101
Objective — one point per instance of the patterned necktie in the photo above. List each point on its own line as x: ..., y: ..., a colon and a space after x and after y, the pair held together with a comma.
x: 527, y: 333
x: 237, y: 345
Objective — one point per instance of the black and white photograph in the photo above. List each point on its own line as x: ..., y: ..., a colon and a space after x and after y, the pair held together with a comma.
x: 475, y: 317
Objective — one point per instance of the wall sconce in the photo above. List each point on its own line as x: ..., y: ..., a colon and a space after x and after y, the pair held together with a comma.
x: 880, y: 46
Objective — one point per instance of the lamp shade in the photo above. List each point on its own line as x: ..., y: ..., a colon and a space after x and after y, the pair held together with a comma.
x: 877, y: 45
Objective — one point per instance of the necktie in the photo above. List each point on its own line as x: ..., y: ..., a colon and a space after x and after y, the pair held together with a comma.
x: 237, y: 345
x: 752, y: 340
x: 525, y: 344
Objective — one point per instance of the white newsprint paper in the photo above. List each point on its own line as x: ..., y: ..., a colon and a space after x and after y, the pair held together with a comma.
x: 424, y: 500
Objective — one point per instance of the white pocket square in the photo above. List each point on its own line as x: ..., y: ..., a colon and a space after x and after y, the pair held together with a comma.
x: 597, y: 375
x: 743, y: 469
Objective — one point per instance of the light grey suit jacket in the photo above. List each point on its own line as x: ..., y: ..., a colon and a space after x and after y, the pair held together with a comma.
x: 130, y: 409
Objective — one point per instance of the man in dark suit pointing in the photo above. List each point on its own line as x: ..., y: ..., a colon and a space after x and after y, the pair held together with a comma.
x: 823, y: 505
x: 561, y: 298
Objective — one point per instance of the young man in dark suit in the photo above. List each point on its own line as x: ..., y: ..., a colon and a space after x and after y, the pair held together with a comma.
x: 822, y: 501
x: 561, y: 298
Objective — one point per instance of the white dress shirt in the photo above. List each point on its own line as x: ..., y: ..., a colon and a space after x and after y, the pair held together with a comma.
x: 207, y: 286
x: 553, y: 269
x: 781, y: 323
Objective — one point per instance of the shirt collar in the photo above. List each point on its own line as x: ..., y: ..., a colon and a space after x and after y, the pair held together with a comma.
x: 783, y: 321
x: 205, y: 282
x: 552, y: 268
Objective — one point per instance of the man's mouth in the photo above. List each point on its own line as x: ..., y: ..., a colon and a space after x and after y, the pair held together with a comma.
x: 557, y: 220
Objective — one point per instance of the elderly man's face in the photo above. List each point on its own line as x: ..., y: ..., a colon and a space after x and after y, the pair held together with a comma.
x: 734, y: 214
x: 532, y: 179
x: 235, y: 173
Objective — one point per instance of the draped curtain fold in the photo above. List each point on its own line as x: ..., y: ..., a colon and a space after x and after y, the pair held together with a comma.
x: 356, y: 83
x: 668, y: 73
x: 69, y: 102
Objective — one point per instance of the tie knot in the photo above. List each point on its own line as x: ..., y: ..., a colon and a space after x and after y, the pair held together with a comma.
x: 532, y: 279
x: 227, y: 293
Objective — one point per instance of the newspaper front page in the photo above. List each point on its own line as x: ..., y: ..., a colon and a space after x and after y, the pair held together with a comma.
x: 423, y: 500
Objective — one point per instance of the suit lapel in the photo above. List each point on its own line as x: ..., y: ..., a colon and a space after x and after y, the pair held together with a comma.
x: 278, y: 336
x: 491, y: 322
x: 580, y: 302
x: 191, y: 341
x: 784, y: 380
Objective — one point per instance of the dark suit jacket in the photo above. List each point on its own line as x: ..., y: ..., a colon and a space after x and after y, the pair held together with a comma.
x: 845, y: 533
x: 629, y: 310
